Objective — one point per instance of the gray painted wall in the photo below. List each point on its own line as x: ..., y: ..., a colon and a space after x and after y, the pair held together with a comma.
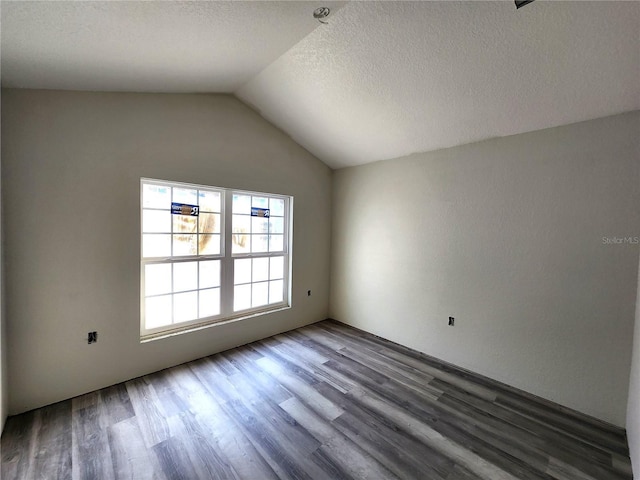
x: 72, y: 163
x: 506, y: 236
x: 633, y: 406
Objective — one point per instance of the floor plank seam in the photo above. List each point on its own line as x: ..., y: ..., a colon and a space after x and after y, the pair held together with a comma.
x: 325, y: 401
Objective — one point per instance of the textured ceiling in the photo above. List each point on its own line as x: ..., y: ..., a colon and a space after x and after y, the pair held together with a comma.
x: 381, y: 80
x: 387, y: 79
x: 147, y: 46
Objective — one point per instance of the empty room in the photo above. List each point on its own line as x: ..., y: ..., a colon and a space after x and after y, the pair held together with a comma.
x: 320, y: 240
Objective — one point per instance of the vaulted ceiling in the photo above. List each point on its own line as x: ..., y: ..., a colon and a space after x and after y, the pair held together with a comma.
x: 378, y: 80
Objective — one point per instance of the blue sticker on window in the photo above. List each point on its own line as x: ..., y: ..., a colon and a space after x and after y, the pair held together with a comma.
x: 259, y: 212
x: 184, y: 209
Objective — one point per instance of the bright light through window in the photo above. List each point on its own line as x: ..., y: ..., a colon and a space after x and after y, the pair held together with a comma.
x: 210, y: 254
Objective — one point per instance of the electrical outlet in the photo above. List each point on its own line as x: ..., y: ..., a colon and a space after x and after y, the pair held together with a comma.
x: 451, y: 321
x: 92, y: 337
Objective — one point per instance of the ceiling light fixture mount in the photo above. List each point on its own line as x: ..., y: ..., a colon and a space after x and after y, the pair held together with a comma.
x: 522, y: 3
x: 320, y: 13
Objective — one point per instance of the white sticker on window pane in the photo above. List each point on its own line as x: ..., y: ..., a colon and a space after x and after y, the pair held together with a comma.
x: 242, y: 271
x: 241, y: 297
x: 156, y: 221
x: 260, y: 212
x: 185, y: 276
x: 178, y: 208
x: 156, y: 196
x: 157, y: 279
x: 210, y: 274
x: 209, y: 302
x: 276, y: 291
x: 158, y: 311
x: 185, y: 306
x: 276, y: 269
x: 242, y: 204
x: 260, y: 269
x: 156, y: 245
x: 209, y: 201
x: 260, y: 294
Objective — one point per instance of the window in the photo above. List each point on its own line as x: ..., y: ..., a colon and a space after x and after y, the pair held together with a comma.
x: 210, y: 254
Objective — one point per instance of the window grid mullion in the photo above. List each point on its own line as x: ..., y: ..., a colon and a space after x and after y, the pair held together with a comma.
x: 173, y: 318
x: 227, y: 270
x: 198, y: 288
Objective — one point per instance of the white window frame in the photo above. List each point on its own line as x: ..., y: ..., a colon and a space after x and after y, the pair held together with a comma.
x: 226, y: 257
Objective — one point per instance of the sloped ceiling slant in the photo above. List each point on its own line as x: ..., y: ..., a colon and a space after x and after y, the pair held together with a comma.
x: 387, y: 79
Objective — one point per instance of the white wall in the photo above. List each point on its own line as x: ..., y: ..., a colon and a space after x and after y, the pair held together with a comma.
x: 4, y: 390
x: 506, y: 236
x: 633, y: 406
x: 72, y: 163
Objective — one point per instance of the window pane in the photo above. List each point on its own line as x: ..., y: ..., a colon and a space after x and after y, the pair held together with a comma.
x: 156, y: 245
x: 209, y: 244
x: 184, y: 245
x: 241, y: 243
x: 241, y: 297
x: 241, y: 227
x: 260, y: 202
x: 209, y: 223
x: 259, y: 243
x: 276, y: 243
x: 185, y: 195
x: 276, y: 205
x: 241, y: 224
x: 157, y: 311
x: 156, y: 196
x: 210, y: 274
x: 276, y: 225
x: 276, y: 291
x: 260, y: 294
x: 184, y: 224
x: 185, y: 306
x: 185, y: 276
x: 276, y: 267
x: 157, y: 279
x: 259, y: 225
x: 209, y: 302
x: 156, y: 221
x: 242, y: 271
x: 242, y: 204
x: 209, y: 201
x: 260, y: 269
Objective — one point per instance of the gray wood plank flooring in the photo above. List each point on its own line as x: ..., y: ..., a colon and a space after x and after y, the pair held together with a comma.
x: 322, y: 402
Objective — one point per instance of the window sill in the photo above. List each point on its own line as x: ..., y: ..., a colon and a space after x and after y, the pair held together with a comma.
x: 201, y: 326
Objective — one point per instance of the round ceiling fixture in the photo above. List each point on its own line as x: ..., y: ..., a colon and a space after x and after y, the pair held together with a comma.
x: 320, y: 13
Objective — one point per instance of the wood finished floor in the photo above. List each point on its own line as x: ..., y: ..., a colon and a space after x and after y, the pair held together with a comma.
x: 322, y: 402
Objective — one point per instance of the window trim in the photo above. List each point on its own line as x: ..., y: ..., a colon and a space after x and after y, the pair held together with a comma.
x: 226, y: 257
